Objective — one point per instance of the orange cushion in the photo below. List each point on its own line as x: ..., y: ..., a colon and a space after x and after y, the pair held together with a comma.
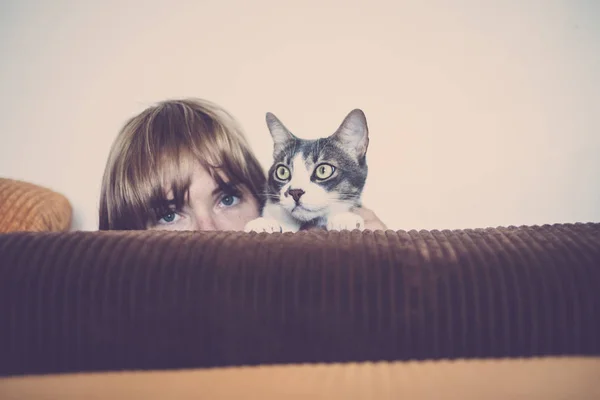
x: 28, y: 207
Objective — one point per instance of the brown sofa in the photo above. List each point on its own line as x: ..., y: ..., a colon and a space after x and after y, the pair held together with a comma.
x: 500, y: 313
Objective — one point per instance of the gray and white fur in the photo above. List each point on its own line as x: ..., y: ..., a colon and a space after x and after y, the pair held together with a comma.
x: 315, y: 182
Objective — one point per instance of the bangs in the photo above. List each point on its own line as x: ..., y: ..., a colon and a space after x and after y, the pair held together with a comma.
x: 162, y: 153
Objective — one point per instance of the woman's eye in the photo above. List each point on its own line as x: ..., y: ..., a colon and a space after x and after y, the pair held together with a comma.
x: 230, y: 200
x: 168, y: 218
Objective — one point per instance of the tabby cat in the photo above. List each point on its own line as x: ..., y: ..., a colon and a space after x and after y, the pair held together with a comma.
x: 315, y: 183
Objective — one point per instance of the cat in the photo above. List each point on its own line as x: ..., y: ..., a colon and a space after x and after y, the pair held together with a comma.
x: 315, y: 183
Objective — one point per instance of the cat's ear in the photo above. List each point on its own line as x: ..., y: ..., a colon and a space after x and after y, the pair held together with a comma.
x: 280, y: 134
x: 353, y: 133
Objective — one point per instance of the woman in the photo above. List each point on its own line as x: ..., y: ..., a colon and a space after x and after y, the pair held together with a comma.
x: 184, y: 165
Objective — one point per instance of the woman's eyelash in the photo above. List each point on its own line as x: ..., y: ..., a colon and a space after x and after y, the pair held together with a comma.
x: 160, y: 213
x: 230, y: 191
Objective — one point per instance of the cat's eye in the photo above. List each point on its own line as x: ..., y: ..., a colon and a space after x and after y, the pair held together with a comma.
x: 282, y: 173
x: 324, y: 171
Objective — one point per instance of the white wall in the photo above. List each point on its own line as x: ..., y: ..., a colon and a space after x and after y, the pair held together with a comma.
x: 482, y: 113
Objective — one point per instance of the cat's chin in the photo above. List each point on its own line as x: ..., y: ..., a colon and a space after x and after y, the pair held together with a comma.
x: 305, y: 214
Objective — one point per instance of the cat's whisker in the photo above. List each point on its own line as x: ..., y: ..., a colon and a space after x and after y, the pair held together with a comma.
x: 348, y: 193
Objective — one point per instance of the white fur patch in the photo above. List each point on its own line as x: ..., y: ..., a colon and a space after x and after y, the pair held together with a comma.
x: 345, y: 221
x: 274, y: 219
x: 262, y: 224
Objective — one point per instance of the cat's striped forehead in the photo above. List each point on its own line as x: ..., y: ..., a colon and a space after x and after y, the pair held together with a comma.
x: 313, y: 152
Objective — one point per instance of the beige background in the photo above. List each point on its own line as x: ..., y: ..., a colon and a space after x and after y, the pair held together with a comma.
x: 482, y: 113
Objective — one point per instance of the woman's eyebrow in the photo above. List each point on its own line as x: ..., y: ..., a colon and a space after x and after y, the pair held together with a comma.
x: 221, y: 189
x: 226, y: 187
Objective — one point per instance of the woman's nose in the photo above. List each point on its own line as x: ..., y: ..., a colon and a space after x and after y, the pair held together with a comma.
x: 205, y: 223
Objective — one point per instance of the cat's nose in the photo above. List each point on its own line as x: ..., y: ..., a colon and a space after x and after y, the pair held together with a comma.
x: 296, y: 194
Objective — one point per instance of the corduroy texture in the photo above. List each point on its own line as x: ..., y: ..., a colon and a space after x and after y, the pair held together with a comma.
x: 89, y: 301
x: 32, y: 208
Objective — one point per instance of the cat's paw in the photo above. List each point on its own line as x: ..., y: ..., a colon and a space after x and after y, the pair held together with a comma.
x: 262, y: 224
x: 345, y: 221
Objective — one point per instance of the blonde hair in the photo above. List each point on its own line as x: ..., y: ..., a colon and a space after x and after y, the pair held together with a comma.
x: 157, y: 149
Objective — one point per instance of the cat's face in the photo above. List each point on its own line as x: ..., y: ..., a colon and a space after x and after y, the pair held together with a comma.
x: 311, y: 178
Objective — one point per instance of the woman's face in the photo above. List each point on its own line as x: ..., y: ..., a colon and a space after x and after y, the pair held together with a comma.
x: 209, y: 208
